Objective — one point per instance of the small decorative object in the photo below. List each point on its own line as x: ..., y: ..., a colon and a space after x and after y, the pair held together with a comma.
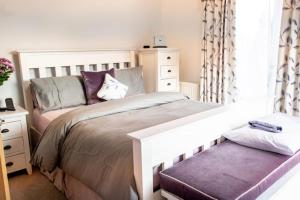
x: 159, y: 41
x: 6, y: 69
x: 112, y: 89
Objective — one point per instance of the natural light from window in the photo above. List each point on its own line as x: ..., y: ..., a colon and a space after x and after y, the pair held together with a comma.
x: 257, y: 36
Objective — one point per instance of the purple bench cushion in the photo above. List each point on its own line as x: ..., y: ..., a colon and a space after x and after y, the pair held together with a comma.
x: 226, y: 171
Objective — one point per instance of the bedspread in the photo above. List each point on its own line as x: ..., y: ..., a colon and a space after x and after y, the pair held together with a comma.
x: 91, y: 143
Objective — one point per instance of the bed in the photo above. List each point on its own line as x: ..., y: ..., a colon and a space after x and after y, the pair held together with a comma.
x: 164, y: 127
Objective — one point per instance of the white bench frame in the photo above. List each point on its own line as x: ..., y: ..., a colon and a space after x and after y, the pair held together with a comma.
x: 151, y: 146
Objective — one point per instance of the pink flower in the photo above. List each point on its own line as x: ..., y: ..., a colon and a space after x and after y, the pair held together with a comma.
x: 7, y: 64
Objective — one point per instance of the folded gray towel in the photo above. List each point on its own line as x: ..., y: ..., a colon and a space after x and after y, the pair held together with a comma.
x: 265, y: 126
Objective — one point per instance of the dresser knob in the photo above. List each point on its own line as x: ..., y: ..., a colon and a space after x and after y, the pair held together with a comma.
x: 5, y: 130
x: 9, y: 164
x: 169, y: 71
x: 169, y: 57
x: 168, y: 84
x: 7, y: 147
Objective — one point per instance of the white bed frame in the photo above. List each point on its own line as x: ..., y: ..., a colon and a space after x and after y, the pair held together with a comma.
x: 157, y: 145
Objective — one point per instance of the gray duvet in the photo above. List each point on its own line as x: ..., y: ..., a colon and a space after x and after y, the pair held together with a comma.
x: 91, y: 143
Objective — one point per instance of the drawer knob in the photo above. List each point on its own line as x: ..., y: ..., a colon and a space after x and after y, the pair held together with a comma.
x: 168, y: 84
x: 7, y: 147
x: 5, y: 130
x: 9, y: 164
x: 169, y: 71
x: 169, y: 57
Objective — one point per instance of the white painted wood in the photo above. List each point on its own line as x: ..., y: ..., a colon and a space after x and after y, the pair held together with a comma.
x: 42, y: 72
x: 160, y: 67
x: 86, y: 67
x: 132, y: 59
x: 121, y: 66
x: 168, y: 58
x: 168, y: 71
x: 58, y: 71
x: 110, y: 65
x: 143, y: 169
x: 14, y: 133
x: 190, y: 89
x: 168, y: 85
x: 13, y: 146
x: 188, y: 154
x: 167, y: 163
x: 39, y: 60
x: 17, y: 163
x: 180, y: 137
x: 11, y: 129
x: 73, y: 70
x: 99, y: 67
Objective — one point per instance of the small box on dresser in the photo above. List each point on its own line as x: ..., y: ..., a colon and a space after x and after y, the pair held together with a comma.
x: 160, y: 69
x: 13, y: 128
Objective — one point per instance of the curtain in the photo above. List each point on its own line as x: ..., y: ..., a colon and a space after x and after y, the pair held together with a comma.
x: 288, y: 72
x: 218, y: 81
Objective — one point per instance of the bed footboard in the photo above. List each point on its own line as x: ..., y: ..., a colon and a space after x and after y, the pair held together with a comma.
x: 159, y: 145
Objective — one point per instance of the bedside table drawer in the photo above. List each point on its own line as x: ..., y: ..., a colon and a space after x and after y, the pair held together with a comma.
x: 168, y: 71
x: 169, y: 58
x: 11, y: 130
x: 15, y: 163
x: 13, y: 146
x: 166, y: 85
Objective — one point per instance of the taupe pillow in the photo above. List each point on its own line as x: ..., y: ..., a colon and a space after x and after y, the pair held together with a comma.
x: 58, y: 92
x: 133, y: 78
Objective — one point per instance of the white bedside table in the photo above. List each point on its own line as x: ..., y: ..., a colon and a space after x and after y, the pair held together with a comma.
x: 13, y: 129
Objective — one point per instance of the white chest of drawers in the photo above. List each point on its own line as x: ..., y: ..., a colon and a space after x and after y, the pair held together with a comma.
x: 13, y: 129
x: 160, y: 69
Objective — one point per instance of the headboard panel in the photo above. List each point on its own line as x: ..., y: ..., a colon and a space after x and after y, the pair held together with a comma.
x: 42, y: 64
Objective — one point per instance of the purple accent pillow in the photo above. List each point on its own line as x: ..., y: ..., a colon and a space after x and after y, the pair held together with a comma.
x: 93, y: 82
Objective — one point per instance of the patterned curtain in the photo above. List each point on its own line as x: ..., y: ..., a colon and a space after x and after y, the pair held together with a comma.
x: 288, y: 72
x: 218, y: 81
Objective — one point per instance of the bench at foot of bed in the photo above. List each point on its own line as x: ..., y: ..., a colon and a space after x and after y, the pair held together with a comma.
x: 226, y: 171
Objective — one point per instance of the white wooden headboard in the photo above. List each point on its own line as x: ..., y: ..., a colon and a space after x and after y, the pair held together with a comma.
x: 42, y: 64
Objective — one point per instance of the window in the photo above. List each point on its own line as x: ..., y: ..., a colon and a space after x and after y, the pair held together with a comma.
x: 257, y: 38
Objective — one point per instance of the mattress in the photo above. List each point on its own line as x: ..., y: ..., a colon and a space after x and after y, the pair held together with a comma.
x: 227, y: 171
x: 40, y: 121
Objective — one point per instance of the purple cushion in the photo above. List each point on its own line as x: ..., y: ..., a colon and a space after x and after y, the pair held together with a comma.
x: 227, y: 171
x: 93, y: 81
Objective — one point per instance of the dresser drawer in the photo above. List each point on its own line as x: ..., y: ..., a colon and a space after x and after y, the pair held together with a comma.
x: 168, y: 58
x: 11, y: 130
x: 15, y: 163
x: 168, y: 71
x: 166, y: 85
x: 13, y: 146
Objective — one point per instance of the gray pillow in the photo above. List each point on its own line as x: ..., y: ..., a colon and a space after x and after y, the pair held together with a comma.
x: 58, y: 92
x: 133, y: 78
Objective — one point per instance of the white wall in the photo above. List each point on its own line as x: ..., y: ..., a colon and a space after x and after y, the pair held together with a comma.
x: 181, y: 23
x: 73, y: 24
x: 92, y: 24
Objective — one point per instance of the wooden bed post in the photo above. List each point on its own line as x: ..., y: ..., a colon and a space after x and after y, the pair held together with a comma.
x: 143, y: 172
x: 4, y: 188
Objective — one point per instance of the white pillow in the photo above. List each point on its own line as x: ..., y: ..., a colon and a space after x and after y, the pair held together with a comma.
x: 287, y: 142
x: 112, y: 89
